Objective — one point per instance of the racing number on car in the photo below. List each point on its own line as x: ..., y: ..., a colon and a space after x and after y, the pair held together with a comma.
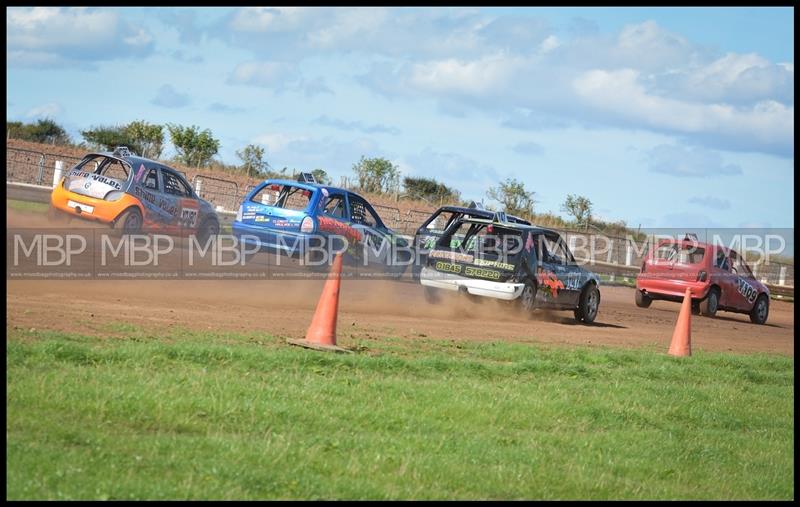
x: 746, y: 290
x: 188, y: 217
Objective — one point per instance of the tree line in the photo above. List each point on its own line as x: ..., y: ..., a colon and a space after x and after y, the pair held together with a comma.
x: 196, y: 148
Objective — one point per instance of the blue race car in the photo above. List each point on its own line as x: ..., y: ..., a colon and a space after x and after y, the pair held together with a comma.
x: 303, y: 218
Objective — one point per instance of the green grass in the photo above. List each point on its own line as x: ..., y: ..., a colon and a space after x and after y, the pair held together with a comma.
x: 28, y: 206
x: 193, y: 415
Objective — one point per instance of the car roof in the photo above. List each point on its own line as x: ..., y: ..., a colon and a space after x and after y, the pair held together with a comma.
x: 476, y: 211
x: 310, y: 186
x: 132, y: 160
x: 509, y: 225
x: 700, y: 244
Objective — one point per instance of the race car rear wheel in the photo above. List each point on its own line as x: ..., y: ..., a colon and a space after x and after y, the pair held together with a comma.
x: 527, y: 300
x: 710, y: 304
x: 760, y: 311
x: 642, y: 299
x: 131, y: 221
x: 588, y: 305
x: 207, y: 229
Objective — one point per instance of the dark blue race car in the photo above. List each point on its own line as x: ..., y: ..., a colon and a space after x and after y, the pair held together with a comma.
x: 307, y: 220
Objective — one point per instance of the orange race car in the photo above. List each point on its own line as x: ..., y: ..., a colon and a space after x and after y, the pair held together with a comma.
x: 136, y: 193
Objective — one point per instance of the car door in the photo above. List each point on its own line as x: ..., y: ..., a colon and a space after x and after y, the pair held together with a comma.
x: 333, y: 218
x: 559, y: 277
x: 149, y: 189
x: 378, y: 246
x: 744, y: 293
x: 178, y: 201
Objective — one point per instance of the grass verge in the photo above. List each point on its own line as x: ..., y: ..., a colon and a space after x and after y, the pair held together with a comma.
x: 193, y: 415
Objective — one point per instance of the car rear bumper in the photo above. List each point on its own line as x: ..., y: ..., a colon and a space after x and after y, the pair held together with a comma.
x: 90, y: 208
x: 273, y: 240
x: 487, y: 288
x: 672, y: 288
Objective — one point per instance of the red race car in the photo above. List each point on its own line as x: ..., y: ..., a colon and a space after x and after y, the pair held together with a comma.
x: 718, y: 278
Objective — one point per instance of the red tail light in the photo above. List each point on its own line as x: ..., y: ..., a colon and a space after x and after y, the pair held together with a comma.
x: 307, y: 225
x: 701, y: 276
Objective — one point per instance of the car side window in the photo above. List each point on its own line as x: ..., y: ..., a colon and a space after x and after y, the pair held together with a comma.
x: 361, y: 214
x: 738, y: 265
x: 553, y: 250
x: 721, y: 261
x: 334, y: 207
x: 151, y: 180
x: 173, y: 184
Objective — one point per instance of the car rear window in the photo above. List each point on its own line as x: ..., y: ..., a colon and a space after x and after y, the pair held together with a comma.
x: 440, y: 221
x: 680, y: 254
x: 284, y: 196
x: 487, y: 241
x: 107, y: 166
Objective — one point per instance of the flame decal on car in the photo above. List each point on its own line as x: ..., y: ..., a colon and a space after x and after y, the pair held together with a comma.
x: 550, y: 282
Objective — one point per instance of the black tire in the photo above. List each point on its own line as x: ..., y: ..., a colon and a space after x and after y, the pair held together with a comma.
x: 710, y: 305
x: 130, y: 222
x: 760, y: 311
x: 206, y: 230
x: 527, y: 300
x: 432, y: 296
x: 695, y: 307
x: 588, y: 305
x: 642, y: 299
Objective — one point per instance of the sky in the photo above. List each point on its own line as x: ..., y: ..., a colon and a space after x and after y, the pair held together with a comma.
x: 662, y: 117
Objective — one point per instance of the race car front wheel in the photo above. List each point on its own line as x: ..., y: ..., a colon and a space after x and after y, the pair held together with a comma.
x: 760, y: 311
x: 588, y: 305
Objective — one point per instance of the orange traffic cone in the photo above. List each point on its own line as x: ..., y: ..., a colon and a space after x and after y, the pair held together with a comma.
x: 321, y: 334
x: 682, y: 337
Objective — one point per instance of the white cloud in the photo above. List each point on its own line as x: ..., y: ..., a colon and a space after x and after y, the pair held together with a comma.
x: 692, y: 162
x: 64, y: 36
x: 470, y: 77
x: 642, y: 77
x: 276, y: 142
x: 49, y: 110
x: 621, y: 96
x: 262, y: 73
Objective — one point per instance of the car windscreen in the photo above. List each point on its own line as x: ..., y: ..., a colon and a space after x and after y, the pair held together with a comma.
x: 680, y: 253
x: 284, y: 196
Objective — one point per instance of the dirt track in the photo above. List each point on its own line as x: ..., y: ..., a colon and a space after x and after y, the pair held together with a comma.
x: 369, y: 309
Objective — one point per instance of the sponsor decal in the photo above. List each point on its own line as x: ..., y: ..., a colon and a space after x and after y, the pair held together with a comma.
x: 144, y: 194
x: 549, y: 283
x: 259, y: 218
x: 494, y: 264
x: 448, y: 267
x: 453, y: 256
x: 481, y: 273
x: 140, y: 173
x: 745, y: 289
